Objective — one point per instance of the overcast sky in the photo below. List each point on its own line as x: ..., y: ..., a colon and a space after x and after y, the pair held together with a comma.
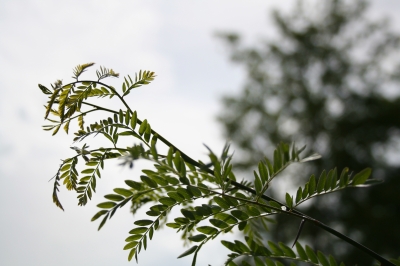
x: 42, y: 41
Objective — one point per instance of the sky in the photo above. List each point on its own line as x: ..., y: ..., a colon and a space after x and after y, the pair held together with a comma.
x: 42, y: 41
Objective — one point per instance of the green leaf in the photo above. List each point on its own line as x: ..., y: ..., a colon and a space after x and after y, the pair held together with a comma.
x: 159, y: 208
x: 361, y: 177
x: 188, y: 214
x: 173, y: 225
x: 203, y: 210
x: 127, y: 117
x: 103, y: 222
x: 66, y: 167
x: 332, y: 261
x: 114, y: 197
x: 197, y: 238
x: 134, y: 120
x: 334, y: 178
x: 88, y: 171
x: 253, y: 211
x: 195, y: 191
x: 289, y: 201
x: 66, y: 126
x: 322, y: 259
x: 321, y: 182
x: 221, y: 202
x: 184, y: 180
x: 145, y: 242
x: 242, y: 247
x: 242, y: 225
x: 131, y: 245
x: 143, y: 127
x: 301, y: 251
x: 311, y: 255
x: 44, y: 89
x: 184, y: 193
x: 231, y: 246
x: 131, y: 253
x: 344, y: 177
x: 143, y: 222
x: 138, y: 231
x: 133, y: 238
x: 305, y: 191
x: 287, y: 250
x: 178, y: 161
x: 188, y: 252
x: 98, y: 215
x: 226, y: 218
x: 147, y: 132
x: 123, y: 192
x: 270, y: 262
x: 262, y: 169
x: 299, y: 194
x: 133, y: 184
x: 311, y: 185
x: 121, y: 116
x: 153, y: 213
x: 275, y: 249
x: 167, y: 201
x: 159, y: 180
x: 270, y: 167
x: 172, y: 180
x: 182, y: 220
x: 231, y: 201
x: 208, y: 230
x: 148, y: 181
x: 170, y: 156
x: 127, y: 133
x: 106, y: 205
x: 328, y: 181
x: 240, y: 215
x: 218, y: 223
x: 257, y: 183
x: 258, y: 261
x: 176, y: 196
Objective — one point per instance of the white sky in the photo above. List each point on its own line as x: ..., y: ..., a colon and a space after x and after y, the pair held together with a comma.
x: 42, y: 41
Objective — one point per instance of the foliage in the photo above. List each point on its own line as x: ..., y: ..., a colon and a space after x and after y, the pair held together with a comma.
x: 203, y: 192
x: 330, y: 79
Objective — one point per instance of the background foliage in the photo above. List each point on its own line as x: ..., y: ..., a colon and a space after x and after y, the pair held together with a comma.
x: 330, y: 80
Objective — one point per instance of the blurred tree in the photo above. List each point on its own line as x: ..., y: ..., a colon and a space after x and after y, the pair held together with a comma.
x: 332, y: 82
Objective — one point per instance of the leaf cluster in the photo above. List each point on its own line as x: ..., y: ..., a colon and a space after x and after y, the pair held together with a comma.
x: 267, y: 254
x: 210, y: 199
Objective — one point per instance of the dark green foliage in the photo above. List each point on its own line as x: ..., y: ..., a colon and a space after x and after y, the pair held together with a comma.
x: 330, y: 79
x: 178, y: 181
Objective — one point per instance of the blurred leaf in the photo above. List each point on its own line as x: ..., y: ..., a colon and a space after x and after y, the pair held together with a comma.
x: 188, y: 252
x: 361, y: 177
